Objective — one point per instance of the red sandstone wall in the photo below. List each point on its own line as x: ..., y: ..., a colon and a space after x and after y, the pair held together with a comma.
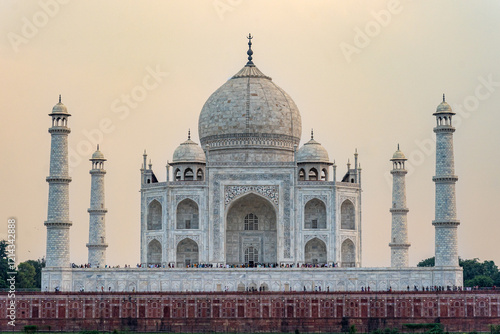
x: 247, y: 312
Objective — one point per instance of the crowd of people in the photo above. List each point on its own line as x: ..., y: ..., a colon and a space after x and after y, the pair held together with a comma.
x: 244, y: 265
x: 435, y: 288
x: 88, y: 265
x: 219, y: 265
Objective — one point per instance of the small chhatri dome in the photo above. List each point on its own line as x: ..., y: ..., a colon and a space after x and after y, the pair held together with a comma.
x: 443, y: 107
x: 398, y: 155
x: 98, y: 154
x: 312, y: 151
x: 189, y: 151
x: 59, y: 108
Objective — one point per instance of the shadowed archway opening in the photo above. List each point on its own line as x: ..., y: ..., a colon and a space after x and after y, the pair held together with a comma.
x: 187, y: 215
x: 154, y: 252
x: 347, y: 217
x: 348, y: 253
x: 315, y: 252
x: 187, y: 253
x: 315, y: 214
x: 154, y: 215
x: 251, y: 235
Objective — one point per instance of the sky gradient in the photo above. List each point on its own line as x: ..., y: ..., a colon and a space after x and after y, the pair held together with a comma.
x: 135, y: 75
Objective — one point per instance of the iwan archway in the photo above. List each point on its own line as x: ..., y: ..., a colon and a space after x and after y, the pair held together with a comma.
x: 251, y: 235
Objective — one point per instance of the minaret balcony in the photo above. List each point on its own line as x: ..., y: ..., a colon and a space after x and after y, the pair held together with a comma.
x: 446, y: 222
x: 399, y: 210
x: 103, y: 211
x: 399, y: 245
x: 97, y: 245
x: 444, y: 128
x: 59, y: 129
x: 445, y: 179
x: 58, y: 179
x: 59, y: 223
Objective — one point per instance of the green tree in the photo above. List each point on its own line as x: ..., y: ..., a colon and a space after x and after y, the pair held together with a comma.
x: 25, y: 278
x: 474, y: 268
x: 4, y: 265
x: 427, y: 262
x: 484, y: 274
x: 480, y: 280
x: 38, y: 265
x: 496, y: 279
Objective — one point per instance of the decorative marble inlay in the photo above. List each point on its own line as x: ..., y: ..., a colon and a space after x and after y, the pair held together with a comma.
x: 322, y: 198
x: 179, y: 198
x: 270, y: 192
x: 342, y: 198
x: 158, y: 198
x: 149, y: 238
x: 180, y: 237
x: 350, y: 237
x: 322, y: 237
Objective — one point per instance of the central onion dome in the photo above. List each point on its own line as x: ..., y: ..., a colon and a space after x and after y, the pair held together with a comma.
x: 250, y: 112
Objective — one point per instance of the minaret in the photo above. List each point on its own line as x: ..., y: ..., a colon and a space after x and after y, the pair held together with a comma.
x: 399, y: 231
x: 58, y: 224
x: 97, y: 223
x: 445, y: 222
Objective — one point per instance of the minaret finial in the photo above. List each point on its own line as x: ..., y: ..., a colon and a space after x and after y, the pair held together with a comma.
x: 189, y: 134
x: 98, y: 147
x: 249, y: 52
x: 444, y: 100
x: 312, y: 133
x: 398, y: 146
x: 59, y: 98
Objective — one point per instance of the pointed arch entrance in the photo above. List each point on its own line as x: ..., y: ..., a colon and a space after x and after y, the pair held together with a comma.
x: 315, y: 252
x: 187, y: 253
x: 154, y: 252
x: 348, y: 253
x: 251, y: 234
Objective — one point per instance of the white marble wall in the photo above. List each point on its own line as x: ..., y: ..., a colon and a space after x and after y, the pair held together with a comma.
x: 276, y: 184
x: 278, y: 279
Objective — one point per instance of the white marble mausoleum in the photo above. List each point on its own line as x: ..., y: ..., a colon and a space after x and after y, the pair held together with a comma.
x: 249, y: 207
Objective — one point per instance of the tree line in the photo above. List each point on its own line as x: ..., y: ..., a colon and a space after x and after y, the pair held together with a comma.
x: 29, y: 273
x: 476, y: 273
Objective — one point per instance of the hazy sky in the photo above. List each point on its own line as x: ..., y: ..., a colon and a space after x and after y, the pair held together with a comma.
x: 364, y: 74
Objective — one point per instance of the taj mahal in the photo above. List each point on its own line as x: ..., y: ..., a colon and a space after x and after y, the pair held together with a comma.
x: 249, y: 207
